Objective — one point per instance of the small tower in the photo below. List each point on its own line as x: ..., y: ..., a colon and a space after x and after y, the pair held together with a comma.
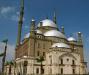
x: 32, y: 28
x: 62, y: 30
x: 41, y: 23
x: 20, y: 23
x: 80, y: 43
x: 80, y: 38
x: 81, y: 46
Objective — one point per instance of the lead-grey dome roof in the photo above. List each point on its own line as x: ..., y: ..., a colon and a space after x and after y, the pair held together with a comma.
x: 71, y: 39
x: 54, y: 33
x: 60, y: 45
x: 48, y: 22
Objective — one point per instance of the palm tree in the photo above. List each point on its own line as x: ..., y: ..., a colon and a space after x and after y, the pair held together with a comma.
x: 41, y: 59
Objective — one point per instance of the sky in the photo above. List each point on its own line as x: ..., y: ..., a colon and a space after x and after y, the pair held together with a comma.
x: 72, y: 14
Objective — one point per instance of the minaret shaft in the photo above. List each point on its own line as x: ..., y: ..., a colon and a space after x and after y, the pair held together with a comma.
x: 80, y: 42
x: 20, y: 23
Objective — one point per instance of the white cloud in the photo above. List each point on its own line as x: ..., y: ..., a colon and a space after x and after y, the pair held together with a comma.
x: 26, y: 27
x: 87, y: 39
x: 14, y: 18
x: 6, y: 10
x: 10, y: 51
x: 9, y: 13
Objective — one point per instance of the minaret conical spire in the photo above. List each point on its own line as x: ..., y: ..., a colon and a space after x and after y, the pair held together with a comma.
x: 54, y: 18
x: 20, y: 22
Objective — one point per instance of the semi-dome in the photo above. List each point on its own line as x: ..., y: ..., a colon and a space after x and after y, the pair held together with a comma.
x: 38, y: 31
x: 61, y: 45
x: 48, y: 22
x: 71, y: 39
x: 27, y: 35
x: 54, y: 33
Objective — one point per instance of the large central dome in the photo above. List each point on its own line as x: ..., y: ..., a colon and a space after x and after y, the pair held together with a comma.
x: 48, y: 22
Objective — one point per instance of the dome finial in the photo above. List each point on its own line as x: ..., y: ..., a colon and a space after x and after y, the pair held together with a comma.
x: 62, y: 30
x: 47, y: 17
x: 71, y: 35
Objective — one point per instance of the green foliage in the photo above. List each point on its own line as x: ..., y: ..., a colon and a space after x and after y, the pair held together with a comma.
x: 9, y: 63
x: 4, y: 41
x: 2, y: 54
x: 40, y: 59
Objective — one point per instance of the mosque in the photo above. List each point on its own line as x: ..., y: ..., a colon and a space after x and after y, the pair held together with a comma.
x: 45, y: 49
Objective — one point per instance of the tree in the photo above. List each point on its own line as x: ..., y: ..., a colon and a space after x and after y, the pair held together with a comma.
x: 4, y: 55
x: 1, y: 54
x: 41, y: 59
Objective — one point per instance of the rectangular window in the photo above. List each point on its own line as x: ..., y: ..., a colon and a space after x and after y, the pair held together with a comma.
x: 43, y: 53
x: 61, y: 70
x: 38, y: 53
x: 73, y: 71
x: 61, y: 61
x: 43, y: 46
x: 50, y: 57
x: 42, y: 71
x: 38, y: 45
x: 37, y: 70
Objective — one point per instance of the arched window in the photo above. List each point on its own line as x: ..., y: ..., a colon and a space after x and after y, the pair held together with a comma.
x: 73, y: 62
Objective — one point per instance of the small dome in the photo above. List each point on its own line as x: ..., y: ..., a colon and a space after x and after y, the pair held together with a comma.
x: 54, y: 33
x: 38, y: 31
x: 71, y: 39
x: 61, y: 45
x: 27, y: 35
x: 48, y: 22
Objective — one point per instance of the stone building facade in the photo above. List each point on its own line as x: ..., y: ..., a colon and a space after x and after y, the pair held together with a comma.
x: 46, y: 49
x: 61, y: 55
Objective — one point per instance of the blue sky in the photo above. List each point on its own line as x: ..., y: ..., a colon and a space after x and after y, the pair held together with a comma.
x: 72, y: 14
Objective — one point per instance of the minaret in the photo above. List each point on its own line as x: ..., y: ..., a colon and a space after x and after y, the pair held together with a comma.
x: 62, y: 30
x: 54, y: 18
x: 81, y: 44
x: 80, y: 38
x: 82, y: 62
x: 32, y: 29
x: 20, y: 22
